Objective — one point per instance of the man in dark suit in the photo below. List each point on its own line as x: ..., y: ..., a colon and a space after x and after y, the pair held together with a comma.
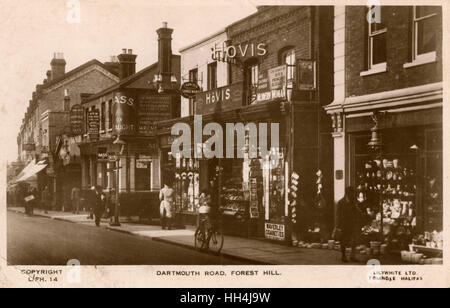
x: 99, y: 205
x: 347, y: 222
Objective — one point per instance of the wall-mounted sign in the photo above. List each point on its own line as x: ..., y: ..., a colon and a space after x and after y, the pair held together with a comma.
x: 272, y: 84
x: 141, y: 164
x: 153, y: 108
x: 102, y: 154
x: 306, y: 74
x: 224, y: 52
x: 112, y: 157
x: 275, y: 231
x: 76, y: 120
x: 93, y: 128
x: 189, y: 89
x: 124, y: 119
x: 254, y: 210
x: 220, y: 100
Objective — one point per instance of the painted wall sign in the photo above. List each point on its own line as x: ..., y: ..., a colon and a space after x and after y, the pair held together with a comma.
x: 220, y: 100
x: 93, y: 128
x: 124, y: 119
x: 76, y: 120
x: 272, y: 84
x: 189, y: 89
x: 224, y: 52
x: 306, y: 74
x: 275, y: 231
x: 153, y: 108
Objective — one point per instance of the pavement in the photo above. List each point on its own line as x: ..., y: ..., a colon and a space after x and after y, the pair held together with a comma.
x: 255, y: 251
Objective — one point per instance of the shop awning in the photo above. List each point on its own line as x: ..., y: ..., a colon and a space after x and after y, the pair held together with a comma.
x: 30, y: 171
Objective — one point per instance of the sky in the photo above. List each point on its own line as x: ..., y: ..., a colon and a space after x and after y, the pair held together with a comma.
x: 32, y: 30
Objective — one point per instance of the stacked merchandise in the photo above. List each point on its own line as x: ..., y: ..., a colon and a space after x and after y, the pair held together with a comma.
x: 187, y: 180
x: 390, y: 185
x: 233, y: 201
x: 426, y: 248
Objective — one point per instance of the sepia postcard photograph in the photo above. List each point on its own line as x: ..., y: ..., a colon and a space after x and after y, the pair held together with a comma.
x: 213, y: 144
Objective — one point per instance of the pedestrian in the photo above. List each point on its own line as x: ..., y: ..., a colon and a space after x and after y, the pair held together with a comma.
x: 30, y: 200
x: 75, y: 197
x: 166, y: 198
x: 111, y: 203
x: 346, y: 223
x: 90, y: 202
x: 99, y: 206
x: 46, y: 199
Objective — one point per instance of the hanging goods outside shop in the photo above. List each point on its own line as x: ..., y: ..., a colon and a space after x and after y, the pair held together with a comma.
x: 293, y: 194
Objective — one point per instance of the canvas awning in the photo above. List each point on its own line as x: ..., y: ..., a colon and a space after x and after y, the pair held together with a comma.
x: 30, y: 171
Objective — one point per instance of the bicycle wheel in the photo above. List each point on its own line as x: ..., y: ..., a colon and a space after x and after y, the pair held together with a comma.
x: 200, y: 241
x: 216, y: 242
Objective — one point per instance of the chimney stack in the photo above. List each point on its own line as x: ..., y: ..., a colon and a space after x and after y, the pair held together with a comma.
x: 127, y: 63
x: 58, y: 65
x: 113, y: 65
x: 165, y: 52
x: 49, y: 75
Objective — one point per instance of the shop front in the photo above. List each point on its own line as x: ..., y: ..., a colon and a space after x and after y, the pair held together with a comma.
x: 394, y: 160
x: 248, y: 191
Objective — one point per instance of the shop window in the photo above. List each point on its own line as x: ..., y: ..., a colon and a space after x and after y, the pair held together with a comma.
x: 212, y: 76
x: 377, y: 31
x: 142, y: 174
x: 425, y: 23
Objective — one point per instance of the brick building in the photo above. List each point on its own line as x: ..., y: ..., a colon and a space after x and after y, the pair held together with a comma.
x: 387, y: 113
x: 128, y: 111
x: 274, y: 67
x: 47, y: 119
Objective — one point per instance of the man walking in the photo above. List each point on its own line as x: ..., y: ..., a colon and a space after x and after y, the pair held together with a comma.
x: 166, y: 198
x: 76, y: 199
x: 46, y: 199
x: 347, y: 216
x: 99, y: 205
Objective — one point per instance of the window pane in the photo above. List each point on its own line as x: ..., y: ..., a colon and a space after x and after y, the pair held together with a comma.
x: 377, y: 26
x: 379, y: 48
x: 422, y: 11
x: 426, y: 35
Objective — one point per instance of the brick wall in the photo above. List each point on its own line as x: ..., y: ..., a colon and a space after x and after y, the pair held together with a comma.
x: 278, y: 27
x: 398, y: 53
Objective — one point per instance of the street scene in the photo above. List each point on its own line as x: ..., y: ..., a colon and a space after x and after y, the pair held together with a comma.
x: 279, y: 135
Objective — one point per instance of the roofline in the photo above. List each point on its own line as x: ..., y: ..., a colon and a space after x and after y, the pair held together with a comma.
x: 123, y: 82
x: 223, y: 30
x: 77, y: 69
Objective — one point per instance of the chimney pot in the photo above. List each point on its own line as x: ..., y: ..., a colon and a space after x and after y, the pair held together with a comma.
x: 124, y: 50
x: 164, y: 24
x: 130, y: 51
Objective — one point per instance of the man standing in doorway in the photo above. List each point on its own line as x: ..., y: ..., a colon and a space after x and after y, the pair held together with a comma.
x: 99, y: 205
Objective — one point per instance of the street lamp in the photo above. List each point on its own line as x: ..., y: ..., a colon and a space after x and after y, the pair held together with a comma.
x: 122, y: 145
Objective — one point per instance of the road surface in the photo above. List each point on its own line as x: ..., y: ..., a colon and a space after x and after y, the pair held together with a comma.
x: 43, y: 241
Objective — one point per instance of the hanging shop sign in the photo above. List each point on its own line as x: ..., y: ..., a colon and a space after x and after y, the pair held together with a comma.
x: 124, y: 119
x: 275, y: 231
x: 112, y: 157
x: 306, y: 75
x: 93, y: 125
x: 76, y: 120
x: 190, y: 89
x: 102, y: 154
x: 220, y: 99
x: 152, y: 108
x: 272, y: 84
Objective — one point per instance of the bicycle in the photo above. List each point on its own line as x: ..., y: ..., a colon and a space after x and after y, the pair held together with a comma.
x: 208, y: 237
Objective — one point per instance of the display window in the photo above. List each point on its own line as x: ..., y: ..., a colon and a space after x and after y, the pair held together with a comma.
x: 399, y: 185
